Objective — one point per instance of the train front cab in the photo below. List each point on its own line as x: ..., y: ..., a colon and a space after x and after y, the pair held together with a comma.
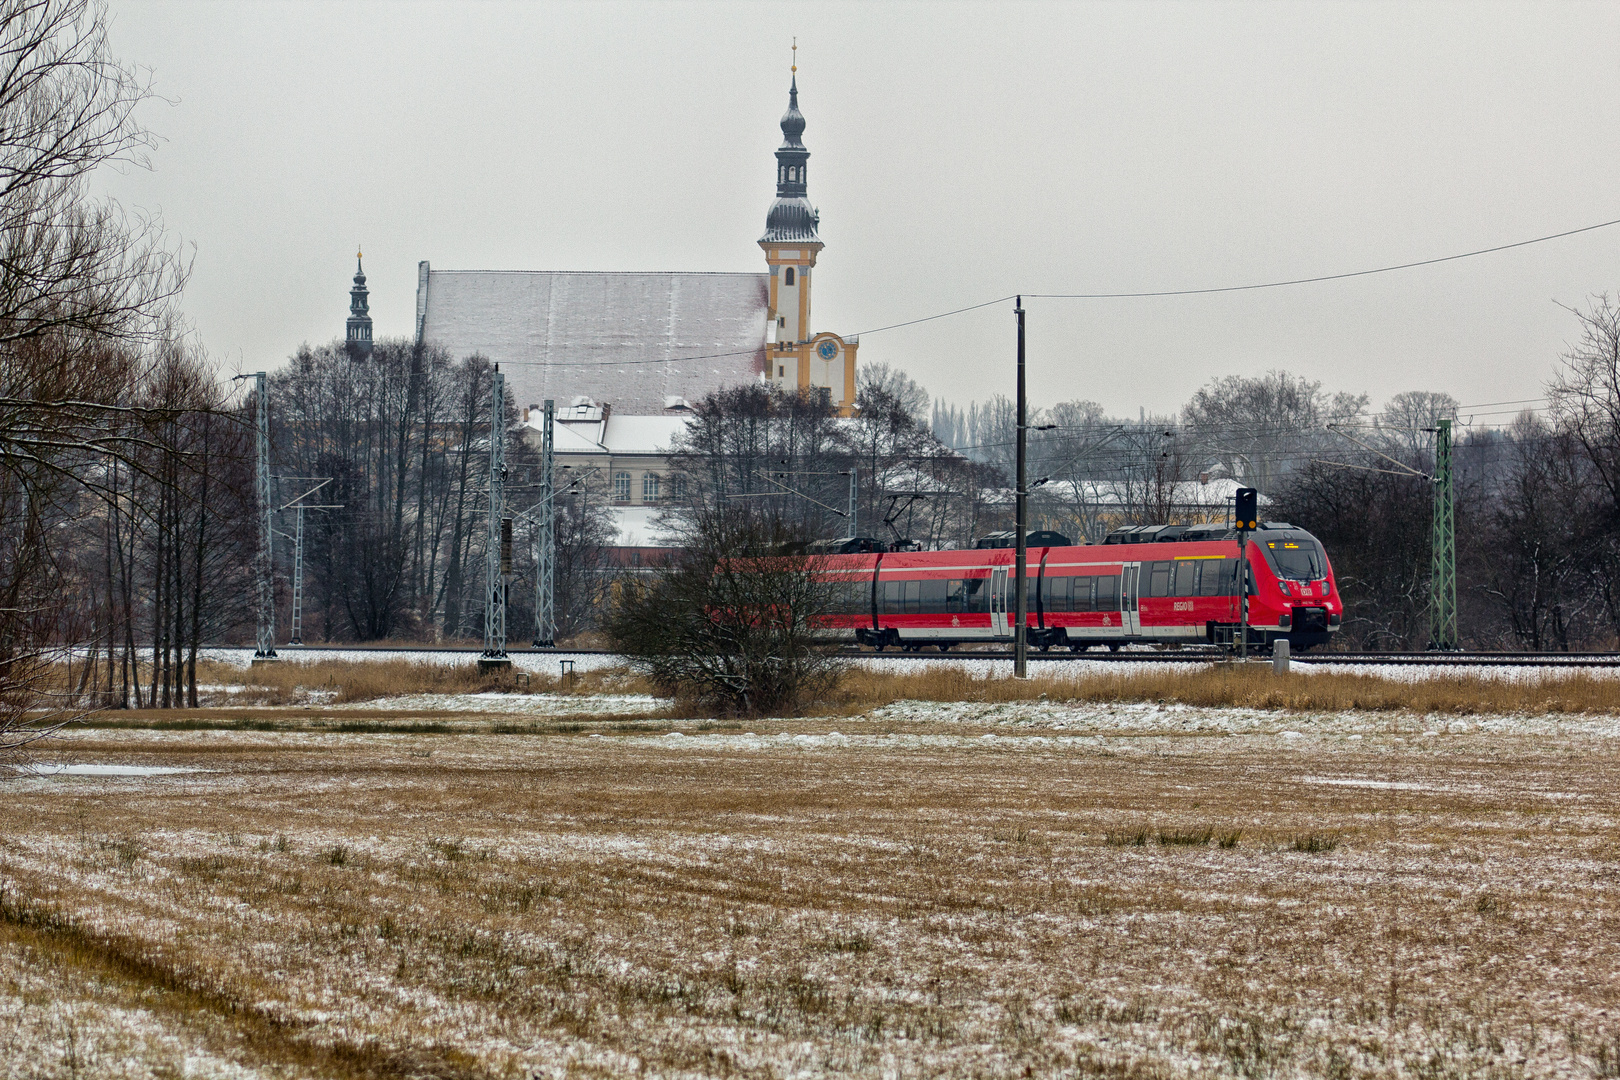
x: 1297, y: 596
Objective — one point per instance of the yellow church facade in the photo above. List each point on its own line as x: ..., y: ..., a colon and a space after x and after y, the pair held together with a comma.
x: 798, y: 359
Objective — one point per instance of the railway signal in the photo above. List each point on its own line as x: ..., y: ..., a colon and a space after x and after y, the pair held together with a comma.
x: 1248, y: 517
x: 1248, y: 509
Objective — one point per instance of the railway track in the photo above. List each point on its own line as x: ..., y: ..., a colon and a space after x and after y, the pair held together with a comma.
x: 1149, y: 656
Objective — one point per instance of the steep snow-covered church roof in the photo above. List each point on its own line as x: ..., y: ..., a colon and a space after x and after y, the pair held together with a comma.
x: 635, y: 341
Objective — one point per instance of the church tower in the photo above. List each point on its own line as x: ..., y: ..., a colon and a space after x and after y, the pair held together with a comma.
x: 796, y: 358
x: 359, y: 326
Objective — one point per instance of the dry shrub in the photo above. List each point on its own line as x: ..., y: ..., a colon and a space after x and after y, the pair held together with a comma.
x: 1316, y: 842
x: 1250, y: 687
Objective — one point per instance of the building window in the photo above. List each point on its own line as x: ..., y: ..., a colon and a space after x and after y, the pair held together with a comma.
x: 790, y: 275
x: 621, y: 486
x: 781, y: 371
x: 677, y: 486
x: 649, y: 487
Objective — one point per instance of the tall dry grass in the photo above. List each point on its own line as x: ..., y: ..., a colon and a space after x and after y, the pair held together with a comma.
x: 1251, y: 687
x: 370, y: 680
x: 341, y: 681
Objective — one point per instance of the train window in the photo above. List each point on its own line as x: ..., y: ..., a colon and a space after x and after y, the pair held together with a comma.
x: 1108, y: 593
x: 1187, y: 577
x: 969, y: 595
x: 1083, y: 587
x: 1297, y: 559
x: 893, y: 597
x: 1159, y: 579
x: 1055, y: 593
x: 933, y: 596
x: 913, y: 597
x: 1210, y: 584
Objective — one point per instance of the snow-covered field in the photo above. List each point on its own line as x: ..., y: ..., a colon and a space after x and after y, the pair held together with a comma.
x: 928, y: 889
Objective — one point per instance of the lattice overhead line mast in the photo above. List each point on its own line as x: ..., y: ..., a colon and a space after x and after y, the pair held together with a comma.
x: 498, y: 550
x: 545, y: 538
x: 1443, y: 544
x: 300, y: 505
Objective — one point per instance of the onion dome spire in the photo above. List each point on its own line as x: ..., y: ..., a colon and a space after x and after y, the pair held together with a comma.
x: 792, y: 219
x: 358, y: 336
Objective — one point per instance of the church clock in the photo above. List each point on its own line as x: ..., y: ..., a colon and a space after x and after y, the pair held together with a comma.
x: 827, y: 349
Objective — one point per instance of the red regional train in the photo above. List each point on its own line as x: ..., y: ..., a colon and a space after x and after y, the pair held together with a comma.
x: 1165, y: 584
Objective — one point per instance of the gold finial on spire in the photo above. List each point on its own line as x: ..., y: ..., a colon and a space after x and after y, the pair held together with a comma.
x: 795, y: 54
x: 358, y: 253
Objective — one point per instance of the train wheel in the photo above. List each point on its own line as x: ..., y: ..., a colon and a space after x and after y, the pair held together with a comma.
x: 1045, y: 647
x: 1113, y: 646
x: 945, y: 646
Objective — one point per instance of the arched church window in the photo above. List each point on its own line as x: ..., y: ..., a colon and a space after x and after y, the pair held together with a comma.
x: 621, y: 486
x: 789, y: 278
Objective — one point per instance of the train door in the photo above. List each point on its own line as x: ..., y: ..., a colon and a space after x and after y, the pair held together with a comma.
x: 998, y: 601
x: 1130, y: 580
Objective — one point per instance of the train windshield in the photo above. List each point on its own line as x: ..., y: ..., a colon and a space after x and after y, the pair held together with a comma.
x: 1297, y: 558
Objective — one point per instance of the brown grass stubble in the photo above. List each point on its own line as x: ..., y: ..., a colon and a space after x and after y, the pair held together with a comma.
x: 954, y: 910
x: 1250, y: 687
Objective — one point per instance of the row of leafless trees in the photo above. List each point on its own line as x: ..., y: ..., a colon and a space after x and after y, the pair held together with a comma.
x: 110, y: 432
x: 394, y: 449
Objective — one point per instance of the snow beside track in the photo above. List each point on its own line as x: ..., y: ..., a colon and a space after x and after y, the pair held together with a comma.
x: 1079, y: 668
x: 1066, y: 668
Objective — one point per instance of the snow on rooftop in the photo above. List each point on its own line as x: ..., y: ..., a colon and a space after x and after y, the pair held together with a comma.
x: 633, y: 341
x: 623, y: 435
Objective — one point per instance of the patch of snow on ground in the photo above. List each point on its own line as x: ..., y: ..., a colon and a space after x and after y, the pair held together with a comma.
x: 519, y: 704
x: 44, y: 769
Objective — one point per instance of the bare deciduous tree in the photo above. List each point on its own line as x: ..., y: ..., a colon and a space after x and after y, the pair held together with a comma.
x: 729, y: 625
x: 84, y: 289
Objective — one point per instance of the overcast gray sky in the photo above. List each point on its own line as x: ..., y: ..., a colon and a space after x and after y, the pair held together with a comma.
x: 960, y: 152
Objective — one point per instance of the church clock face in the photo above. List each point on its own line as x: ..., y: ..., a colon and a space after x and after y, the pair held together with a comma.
x: 827, y: 349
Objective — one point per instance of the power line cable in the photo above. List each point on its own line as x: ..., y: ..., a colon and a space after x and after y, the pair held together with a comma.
x: 1324, y: 277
